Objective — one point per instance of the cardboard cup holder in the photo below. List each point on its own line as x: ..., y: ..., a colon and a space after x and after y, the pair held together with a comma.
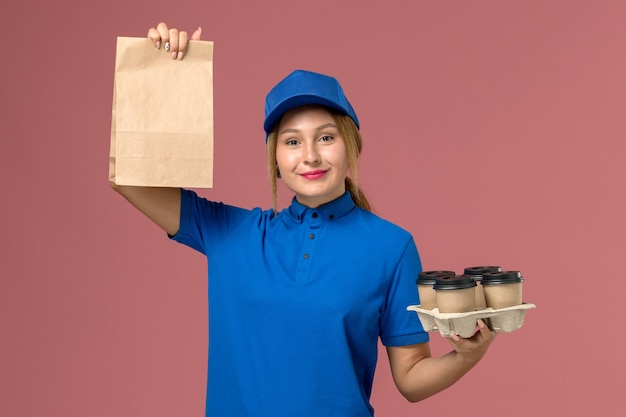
x: 504, y: 320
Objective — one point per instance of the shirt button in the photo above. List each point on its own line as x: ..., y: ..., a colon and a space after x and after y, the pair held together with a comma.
x: 314, y: 215
x: 332, y: 216
x: 306, y: 256
x: 311, y: 236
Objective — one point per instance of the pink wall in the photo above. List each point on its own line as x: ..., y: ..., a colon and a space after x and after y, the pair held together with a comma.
x: 494, y: 132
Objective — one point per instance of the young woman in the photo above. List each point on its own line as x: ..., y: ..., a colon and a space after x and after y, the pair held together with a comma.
x: 299, y: 298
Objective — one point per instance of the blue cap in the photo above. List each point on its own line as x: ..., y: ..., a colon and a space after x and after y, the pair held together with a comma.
x: 301, y: 88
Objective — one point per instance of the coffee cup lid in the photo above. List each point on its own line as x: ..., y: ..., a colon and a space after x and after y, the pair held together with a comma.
x: 480, y: 270
x: 502, y: 277
x: 429, y: 277
x: 455, y: 282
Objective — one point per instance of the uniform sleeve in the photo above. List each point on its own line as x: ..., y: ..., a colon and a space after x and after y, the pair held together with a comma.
x: 400, y: 327
x: 205, y: 224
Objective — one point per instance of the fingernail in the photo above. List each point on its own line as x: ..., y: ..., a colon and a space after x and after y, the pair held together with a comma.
x: 158, y: 44
x: 180, y: 56
x: 174, y: 55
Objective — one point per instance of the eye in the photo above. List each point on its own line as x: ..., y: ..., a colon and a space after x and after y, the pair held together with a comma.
x: 291, y: 142
x: 326, y: 138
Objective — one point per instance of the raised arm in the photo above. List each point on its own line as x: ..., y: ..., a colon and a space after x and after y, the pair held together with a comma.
x: 161, y: 205
x: 419, y: 376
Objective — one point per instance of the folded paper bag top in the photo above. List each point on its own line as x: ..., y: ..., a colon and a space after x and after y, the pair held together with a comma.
x: 156, y: 140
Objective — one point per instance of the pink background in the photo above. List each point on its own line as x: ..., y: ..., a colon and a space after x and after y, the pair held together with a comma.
x: 494, y: 132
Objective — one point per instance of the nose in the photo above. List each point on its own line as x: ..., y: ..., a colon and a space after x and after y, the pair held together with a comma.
x: 311, y: 154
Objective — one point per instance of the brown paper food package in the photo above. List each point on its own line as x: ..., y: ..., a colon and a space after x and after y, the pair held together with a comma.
x: 162, y: 118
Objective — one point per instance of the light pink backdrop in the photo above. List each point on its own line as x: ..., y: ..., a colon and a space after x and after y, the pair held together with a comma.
x: 494, y: 132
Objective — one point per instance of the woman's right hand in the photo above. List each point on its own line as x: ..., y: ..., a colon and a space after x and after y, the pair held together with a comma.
x: 172, y: 40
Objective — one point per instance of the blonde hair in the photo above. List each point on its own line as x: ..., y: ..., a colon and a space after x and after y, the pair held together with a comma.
x: 353, y: 143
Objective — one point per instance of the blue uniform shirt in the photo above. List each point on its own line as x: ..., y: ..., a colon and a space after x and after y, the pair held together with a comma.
x: 297, y: 302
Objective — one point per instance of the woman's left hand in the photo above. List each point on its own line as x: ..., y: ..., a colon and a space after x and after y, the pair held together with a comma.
x: 473, y: 348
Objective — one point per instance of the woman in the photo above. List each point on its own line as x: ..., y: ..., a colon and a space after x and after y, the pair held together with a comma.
x: 298, y: 298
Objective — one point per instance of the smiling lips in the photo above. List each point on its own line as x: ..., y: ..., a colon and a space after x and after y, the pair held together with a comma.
x: 313, y: 175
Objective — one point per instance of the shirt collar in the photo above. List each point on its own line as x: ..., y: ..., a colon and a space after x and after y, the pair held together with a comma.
x: 331, y: 210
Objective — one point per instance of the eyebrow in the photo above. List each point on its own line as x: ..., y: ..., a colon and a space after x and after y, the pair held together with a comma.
x: 322, y: 127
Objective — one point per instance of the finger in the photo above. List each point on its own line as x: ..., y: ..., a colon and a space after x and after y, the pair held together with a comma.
x: 481, y: 324
x: 183, y: 42
x: 154, y: 36
x: 164, y: 34
x: 174, y: 42
x: 196, y: 34
x: 163, y: 31
x: 485, y: 331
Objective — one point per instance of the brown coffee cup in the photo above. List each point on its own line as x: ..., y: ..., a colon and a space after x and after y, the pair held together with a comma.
x: 455, y: 294
x: 425, y: 283
x: 502, y: 289
x: 477, y: 272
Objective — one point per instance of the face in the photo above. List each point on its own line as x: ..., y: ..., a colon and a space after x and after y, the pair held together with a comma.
x: 311, y: 155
